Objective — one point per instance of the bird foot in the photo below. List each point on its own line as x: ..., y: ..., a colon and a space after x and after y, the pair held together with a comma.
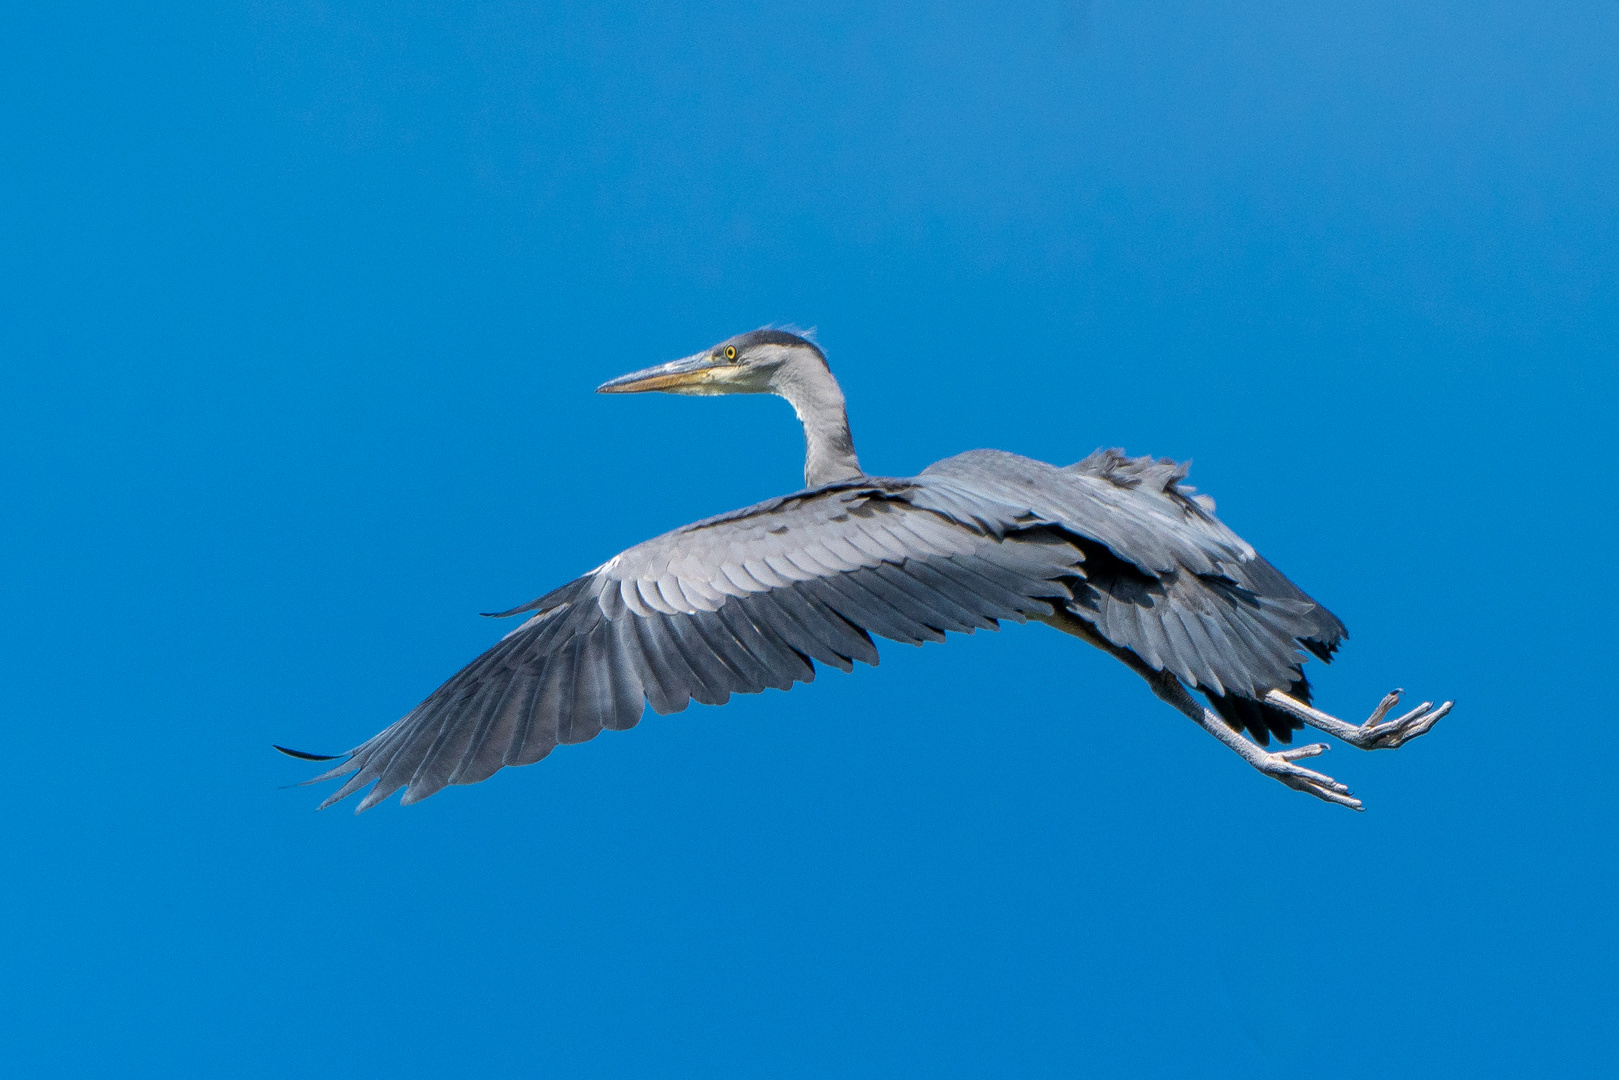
x: 1377, y: 735
x: 1280, y: 766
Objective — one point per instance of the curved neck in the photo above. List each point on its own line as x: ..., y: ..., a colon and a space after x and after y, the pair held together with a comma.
x: 817, y: 399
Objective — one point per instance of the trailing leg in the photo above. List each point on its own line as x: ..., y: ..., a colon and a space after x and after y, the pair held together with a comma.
x: 1276, y: 765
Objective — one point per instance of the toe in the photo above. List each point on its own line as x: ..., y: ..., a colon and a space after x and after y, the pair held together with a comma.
x: 1391, y: 699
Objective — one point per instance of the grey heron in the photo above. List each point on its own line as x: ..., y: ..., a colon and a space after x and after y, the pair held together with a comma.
x: 1113, y: 550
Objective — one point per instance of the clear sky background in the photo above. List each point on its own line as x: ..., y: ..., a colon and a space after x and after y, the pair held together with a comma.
x: 301, y: 307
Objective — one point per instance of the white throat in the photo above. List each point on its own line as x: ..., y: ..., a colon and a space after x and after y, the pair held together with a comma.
x: 815, y: 396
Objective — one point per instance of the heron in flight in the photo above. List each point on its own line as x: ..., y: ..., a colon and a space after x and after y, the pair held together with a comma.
x: 1115, y: 551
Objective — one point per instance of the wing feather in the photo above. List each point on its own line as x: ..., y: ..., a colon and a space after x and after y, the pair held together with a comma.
x: 640, y: 639
x: 860, y: 605
x: 1208, y: 659
x: 938, y: 593
x: 712, y: 681
x: 832, y: 639
x: 955, y: 586
x: 770, y: 611
x: 487, y: 748
x: 786, y: 666
x: 748, y: 675
x: 528, y: 706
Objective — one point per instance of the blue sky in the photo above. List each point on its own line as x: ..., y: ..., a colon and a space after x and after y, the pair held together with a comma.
x: 302, y: 308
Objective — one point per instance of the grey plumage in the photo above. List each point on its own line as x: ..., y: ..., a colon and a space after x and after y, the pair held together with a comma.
x: 1116, y: 550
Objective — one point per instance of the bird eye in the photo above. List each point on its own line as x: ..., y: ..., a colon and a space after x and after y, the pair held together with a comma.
x: 730, y: 352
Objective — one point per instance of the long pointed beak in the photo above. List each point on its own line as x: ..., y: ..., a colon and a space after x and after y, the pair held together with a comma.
x: 699, y: 374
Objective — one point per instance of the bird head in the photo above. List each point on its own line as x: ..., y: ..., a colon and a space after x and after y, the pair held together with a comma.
x: 758, y: 362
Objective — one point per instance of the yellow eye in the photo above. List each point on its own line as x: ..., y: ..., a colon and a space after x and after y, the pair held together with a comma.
x: 730, y: 352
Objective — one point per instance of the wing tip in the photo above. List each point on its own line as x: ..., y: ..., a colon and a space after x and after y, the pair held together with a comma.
x: 303, y: 755
x: 506, y: 614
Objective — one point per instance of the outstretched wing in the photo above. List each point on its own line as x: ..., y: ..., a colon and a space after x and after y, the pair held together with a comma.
x: 730, y: 605
x: 1164, y: 577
